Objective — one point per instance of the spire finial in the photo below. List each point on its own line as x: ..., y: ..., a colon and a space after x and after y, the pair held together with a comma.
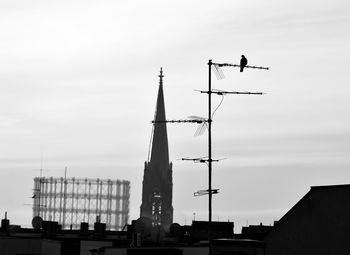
x: 161, y: 76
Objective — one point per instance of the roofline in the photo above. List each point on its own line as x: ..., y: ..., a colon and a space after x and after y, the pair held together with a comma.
x: 280, y: 221
x: 330, y: 186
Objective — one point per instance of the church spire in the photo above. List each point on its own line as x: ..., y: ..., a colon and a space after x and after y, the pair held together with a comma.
x: 157, y: 186
x: 160, y: 138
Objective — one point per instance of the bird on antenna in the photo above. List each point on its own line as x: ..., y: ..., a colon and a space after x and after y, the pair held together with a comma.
x: 244, y: 62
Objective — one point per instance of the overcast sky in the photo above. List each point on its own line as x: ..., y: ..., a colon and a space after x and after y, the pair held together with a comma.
x: 79, y: 83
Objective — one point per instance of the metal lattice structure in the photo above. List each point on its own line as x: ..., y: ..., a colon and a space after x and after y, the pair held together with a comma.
x: 72, y: 201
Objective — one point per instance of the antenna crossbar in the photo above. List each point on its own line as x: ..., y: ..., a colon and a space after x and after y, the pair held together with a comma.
x: 198, y: 121
x: 235, y: 65
x: 200, y: 160
x: 205, y: 192
x: 223, y: 92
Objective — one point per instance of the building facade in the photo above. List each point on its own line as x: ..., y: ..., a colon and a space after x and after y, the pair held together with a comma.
x: 157, y: 186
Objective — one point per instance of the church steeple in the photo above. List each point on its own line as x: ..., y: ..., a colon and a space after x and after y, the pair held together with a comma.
x: 160, y: 152
x: 157, y: 180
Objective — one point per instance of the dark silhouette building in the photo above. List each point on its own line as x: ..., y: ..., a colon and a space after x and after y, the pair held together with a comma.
x: 199, y: 230
x: 157, y: 179
x: 318, y: 224
x: 254, y: 232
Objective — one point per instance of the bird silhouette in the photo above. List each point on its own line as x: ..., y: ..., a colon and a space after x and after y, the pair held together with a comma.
x: 244, y: 62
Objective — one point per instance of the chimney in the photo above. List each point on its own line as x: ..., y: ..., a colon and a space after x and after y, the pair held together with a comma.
x: 49, y: 229
x: 84, y: 228
x: 99, y: 230
x: 5, y: 223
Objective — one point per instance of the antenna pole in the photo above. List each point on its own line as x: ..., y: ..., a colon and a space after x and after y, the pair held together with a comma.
x: 39, y: 197
x: 209, y: 157
x: 41, y: 165
x: 64, y: 199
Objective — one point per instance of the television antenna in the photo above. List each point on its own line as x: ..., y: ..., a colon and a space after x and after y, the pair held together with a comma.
x: 217, y: 69
x: 207, y: 122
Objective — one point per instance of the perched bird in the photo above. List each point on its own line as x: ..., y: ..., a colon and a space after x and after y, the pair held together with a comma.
x: 244, y: 62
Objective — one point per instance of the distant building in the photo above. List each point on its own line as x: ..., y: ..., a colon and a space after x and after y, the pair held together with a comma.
x: 157, y: 187
x: 254, y: 232
x: 218, y: 229
x: 318, y: 224
x: 72, y: 201
x: 52, y: 240
x: 238, y: 247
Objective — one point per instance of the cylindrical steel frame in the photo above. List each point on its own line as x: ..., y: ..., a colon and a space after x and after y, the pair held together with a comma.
x: 71, y: 201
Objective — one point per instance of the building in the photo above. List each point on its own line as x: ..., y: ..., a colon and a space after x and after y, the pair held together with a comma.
x: 157, y: 187
x: 52, y: 240
x: 254, y: 232
x: 238, y: 247
x: 72, y: 201
x: 218, y: 229
x: 318, y: 224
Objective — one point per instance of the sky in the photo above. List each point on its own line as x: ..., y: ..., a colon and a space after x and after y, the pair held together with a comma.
x: 79, y: 82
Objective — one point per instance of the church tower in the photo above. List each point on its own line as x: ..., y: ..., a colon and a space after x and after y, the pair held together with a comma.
x: 157, y: 186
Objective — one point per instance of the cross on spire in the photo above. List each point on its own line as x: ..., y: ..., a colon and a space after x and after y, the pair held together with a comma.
x: 161, y: 76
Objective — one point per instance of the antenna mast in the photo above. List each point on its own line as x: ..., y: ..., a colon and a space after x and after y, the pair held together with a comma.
x: 210, y: 160
x: 210, y: 191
